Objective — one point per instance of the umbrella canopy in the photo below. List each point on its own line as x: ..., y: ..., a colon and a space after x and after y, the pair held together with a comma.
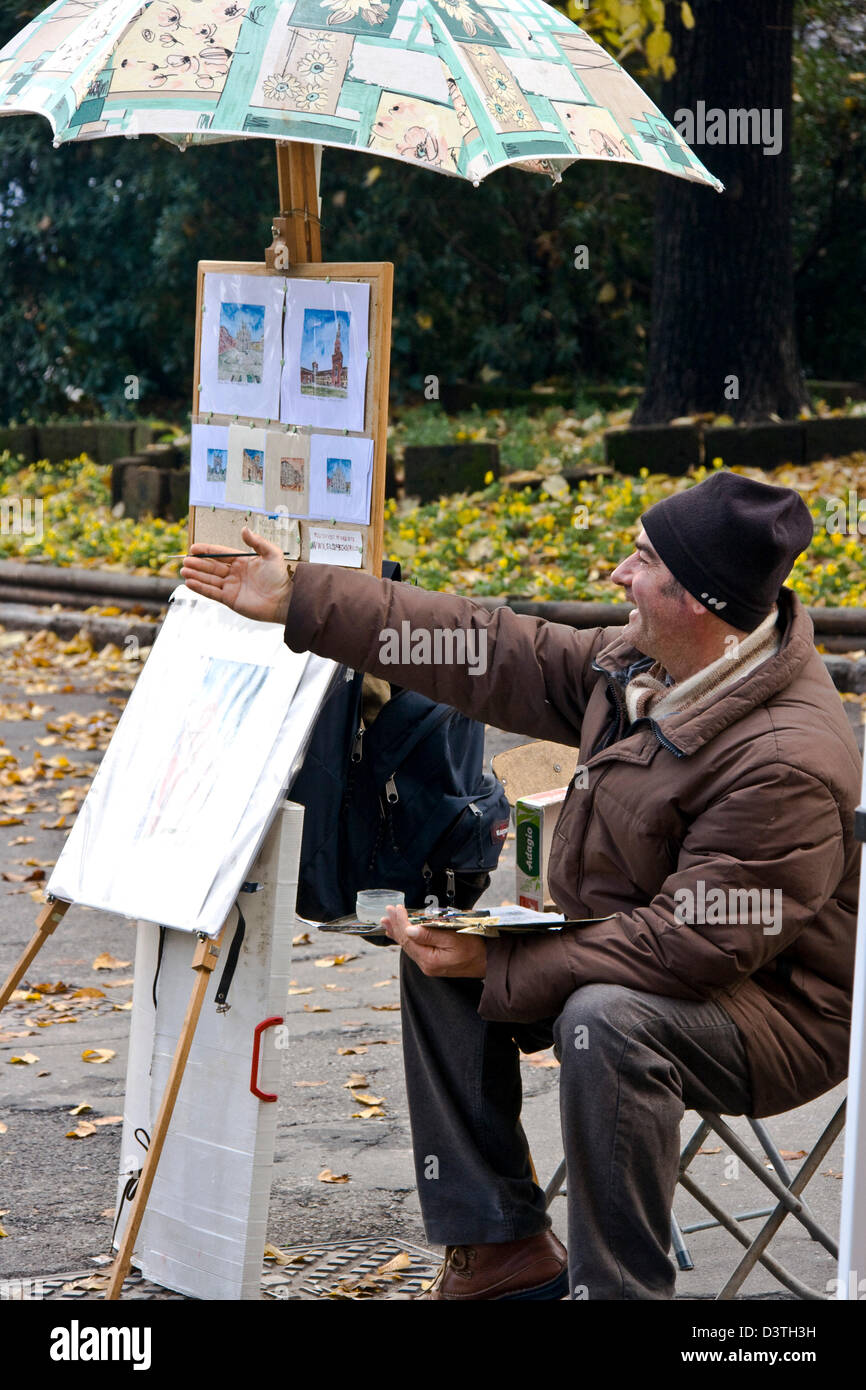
x: 457, y: 86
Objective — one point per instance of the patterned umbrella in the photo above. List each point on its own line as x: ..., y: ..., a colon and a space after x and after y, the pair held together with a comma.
x: 458, y: 86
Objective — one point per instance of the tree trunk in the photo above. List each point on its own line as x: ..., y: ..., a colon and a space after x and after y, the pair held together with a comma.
x: 723, y: 336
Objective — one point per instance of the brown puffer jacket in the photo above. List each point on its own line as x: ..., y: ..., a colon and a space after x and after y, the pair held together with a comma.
x: 755, y: 791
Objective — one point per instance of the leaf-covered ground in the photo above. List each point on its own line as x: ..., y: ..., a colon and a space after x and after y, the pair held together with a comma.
x: 542, y: 541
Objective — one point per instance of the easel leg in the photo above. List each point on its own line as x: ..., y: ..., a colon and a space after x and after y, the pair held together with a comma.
x: 51, y: 914
x: 203, y: 962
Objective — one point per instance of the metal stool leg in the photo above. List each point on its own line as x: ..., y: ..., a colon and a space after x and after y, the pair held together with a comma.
x: 681, y: 1250
x: 765, y: 1235
x: 553, y: 1187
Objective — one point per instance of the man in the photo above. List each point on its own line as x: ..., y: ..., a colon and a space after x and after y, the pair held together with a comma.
x: 710, y: 825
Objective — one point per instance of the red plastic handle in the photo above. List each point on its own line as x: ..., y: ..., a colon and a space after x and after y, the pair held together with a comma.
x: 257, y: 1043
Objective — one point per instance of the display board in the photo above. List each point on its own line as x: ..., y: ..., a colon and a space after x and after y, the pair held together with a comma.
x: 290, y: 408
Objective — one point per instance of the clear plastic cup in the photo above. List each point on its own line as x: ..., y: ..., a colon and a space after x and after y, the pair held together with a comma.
x: 371, y: 903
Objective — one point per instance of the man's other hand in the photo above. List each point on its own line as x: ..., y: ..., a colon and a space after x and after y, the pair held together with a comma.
x: 435, y: 951
x: 256, y: 587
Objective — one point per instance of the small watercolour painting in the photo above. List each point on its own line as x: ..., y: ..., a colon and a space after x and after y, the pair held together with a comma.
x: 240, y: 359
x: 253, y: 466
x: 287, y: 472
x: 292, y: 474
x: 216, y: 465
x: 341, y: 478
x: 339, y: 475
x: 208, y: 457
x: 245, y: 470
x: 241, y: 343
x: 325, y: 353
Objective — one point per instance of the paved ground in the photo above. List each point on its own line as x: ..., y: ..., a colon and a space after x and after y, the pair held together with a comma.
x: 57, y: 1193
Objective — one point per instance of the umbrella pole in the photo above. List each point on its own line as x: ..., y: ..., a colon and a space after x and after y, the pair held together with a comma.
x: 297, y: 230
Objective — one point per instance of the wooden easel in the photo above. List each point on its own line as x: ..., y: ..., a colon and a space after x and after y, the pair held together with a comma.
x: 297, y: 229
x: 52, y: 913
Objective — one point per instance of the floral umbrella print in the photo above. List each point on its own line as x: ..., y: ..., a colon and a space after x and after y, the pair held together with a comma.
x: 459, y: 86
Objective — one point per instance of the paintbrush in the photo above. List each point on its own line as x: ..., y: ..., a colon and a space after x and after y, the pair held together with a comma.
x: 227, y: 555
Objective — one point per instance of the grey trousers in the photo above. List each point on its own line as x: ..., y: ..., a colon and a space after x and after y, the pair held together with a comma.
x: 631, y: 1065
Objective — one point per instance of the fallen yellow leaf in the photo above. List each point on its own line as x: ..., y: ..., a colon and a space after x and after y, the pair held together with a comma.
x: 81, y: 1130
x: 109, y: 962
x: 399, y: 1262
x: 308, y: 990
x: 88, y: 993
x: 363, y: 1098
x: 272, y: 1253
x: 25, y: 1060
x: 351, y: 1051
x: 3, y: 1128
x: 315, y: 1009
x: 325, y: 961
x: 356, y: 1079
x: 97, y: 1054
x: 327, y: 1176
x: 80, y: 1109
x: 302, y: 940
x: 108, y: 1120
x: 372, y: 1112
x: 3, y: 1233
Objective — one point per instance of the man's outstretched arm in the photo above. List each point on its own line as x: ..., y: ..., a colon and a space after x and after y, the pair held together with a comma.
x: 518, y: 673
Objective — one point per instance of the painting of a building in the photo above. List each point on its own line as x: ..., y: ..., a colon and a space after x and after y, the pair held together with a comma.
x: 241, y: 343
x: 324, y: 368
x: 339, y: 476
x: 292, y: 475
x: 253, y: 466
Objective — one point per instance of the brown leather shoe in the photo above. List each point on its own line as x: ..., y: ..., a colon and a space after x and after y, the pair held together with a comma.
x: 533, y: 1268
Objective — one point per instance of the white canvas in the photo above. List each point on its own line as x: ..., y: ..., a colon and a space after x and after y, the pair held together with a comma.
x: 194, y: 771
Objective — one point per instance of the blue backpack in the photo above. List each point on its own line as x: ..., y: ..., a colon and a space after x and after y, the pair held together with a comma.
x: 404, y: 803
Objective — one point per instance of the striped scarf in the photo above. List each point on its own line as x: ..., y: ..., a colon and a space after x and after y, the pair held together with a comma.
x: 653, y: 692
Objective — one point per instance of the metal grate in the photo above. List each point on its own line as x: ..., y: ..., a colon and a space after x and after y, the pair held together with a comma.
x: 352, y: 1270
x: 356, y: 1270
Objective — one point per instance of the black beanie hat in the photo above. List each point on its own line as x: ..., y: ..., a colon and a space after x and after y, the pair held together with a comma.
x: 731, y: 542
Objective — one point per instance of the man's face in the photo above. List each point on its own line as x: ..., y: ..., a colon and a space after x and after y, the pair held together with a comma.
x: 655, y: 625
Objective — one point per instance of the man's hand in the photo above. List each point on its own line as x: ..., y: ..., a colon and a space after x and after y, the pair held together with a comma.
x: 437, y: 952
x: 257, y: 587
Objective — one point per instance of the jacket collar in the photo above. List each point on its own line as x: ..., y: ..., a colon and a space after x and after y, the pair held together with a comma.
x: 687, y: 730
